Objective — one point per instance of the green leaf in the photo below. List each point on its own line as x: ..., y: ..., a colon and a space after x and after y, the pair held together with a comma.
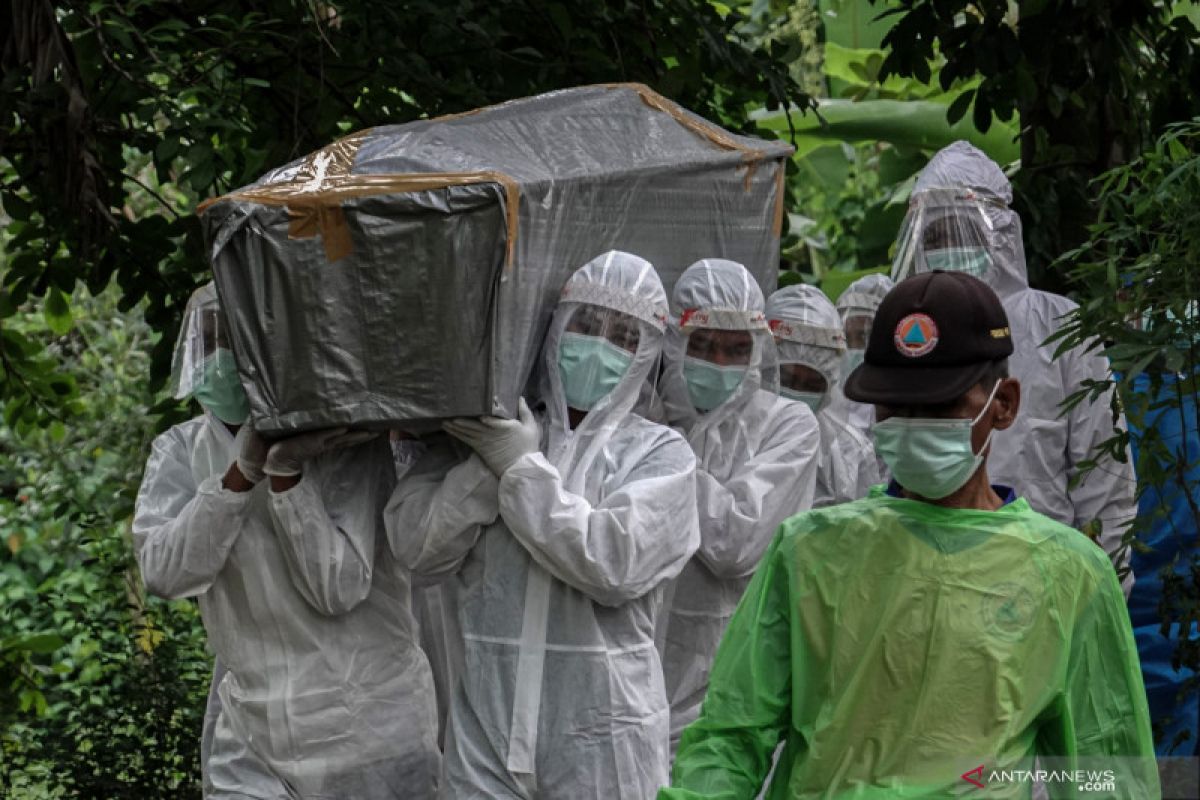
x: 919, y: 124
x: 57, y: 312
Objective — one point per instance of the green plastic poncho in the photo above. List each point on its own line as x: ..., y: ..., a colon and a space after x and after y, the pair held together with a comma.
x: 892, y: 645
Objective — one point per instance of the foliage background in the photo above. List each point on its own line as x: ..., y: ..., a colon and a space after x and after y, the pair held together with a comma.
x: 117, y: 117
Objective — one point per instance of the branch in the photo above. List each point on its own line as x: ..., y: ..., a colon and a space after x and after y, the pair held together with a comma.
x: 162, y: 201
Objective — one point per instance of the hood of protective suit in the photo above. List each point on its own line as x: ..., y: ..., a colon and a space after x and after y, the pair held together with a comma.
x: 616, y: 281
x: 864, y: 295
x: 978, y: 185
x: 807, y: 331
x: 721, y: 294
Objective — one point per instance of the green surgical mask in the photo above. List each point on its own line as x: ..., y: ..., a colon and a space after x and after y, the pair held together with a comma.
x: 972, y: 260
x: 931, y: 457
x: 710, y: 385
x: 590, y: 368
x: 220, y: 391
x: 851, y: 361
x: 811, y: 399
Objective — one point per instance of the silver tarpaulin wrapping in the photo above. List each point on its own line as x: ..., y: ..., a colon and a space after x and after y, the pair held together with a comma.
x: 407, y: 273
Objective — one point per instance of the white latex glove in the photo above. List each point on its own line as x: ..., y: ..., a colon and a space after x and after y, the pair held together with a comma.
x: 287, y: 456
x: 499, y: 442
x: 252, y: 453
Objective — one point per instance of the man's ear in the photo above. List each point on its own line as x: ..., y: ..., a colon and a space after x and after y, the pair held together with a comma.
x: 1007, y: 404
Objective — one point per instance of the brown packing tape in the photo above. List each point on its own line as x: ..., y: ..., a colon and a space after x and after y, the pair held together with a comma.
x: 695, y: 125
x: 329, y: 221
x: 335, y: 159
x: 302, y: 194
x: 780, y: 193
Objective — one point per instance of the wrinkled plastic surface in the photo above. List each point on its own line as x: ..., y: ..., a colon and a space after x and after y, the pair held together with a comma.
x: 200, y: 335
x: 323, y: 688
x: 558, y: 569
x: 808, y: 333
x: 386, y: 278
x: 756, y: 464
x: 1044, y: 454
x: 893, y: 645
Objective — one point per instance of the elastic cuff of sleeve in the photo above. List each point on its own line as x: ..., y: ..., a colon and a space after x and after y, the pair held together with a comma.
x: 249, y: 472
x: 281, y: 472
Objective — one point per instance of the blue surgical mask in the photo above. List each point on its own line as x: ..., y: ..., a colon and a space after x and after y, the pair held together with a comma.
x: 219, y: 389
x: 974, y: 261
x: 590, y: 368
x: 930, y: 457
x: 811, y: 399
x: 710, y: 385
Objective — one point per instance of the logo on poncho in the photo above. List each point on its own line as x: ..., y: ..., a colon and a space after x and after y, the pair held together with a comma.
x: 1008, y: 611
x: 916, y: 335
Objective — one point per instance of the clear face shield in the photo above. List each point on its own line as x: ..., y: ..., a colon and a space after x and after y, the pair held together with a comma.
x: 809, y: 359
x: 203, y: 364
x: 946, y: 229
x: 596, y: 348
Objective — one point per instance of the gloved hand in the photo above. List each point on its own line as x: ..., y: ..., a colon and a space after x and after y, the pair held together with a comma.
x: 287, y: 456
x: 499, y: 442
x: 252, y: 454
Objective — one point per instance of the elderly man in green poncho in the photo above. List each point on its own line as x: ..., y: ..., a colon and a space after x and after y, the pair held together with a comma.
x: 938, y: 638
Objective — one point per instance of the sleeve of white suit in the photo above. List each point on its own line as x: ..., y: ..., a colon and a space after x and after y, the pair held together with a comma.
x: 739, y: 516
x: 182, y: 533
x: 438, y: 510
x: 1107, y: 492
x: 640, y: 535
x: 327, y: 525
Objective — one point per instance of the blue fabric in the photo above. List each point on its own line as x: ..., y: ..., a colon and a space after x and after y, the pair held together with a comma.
x: 1007, y: 494
x: 1169, y: 536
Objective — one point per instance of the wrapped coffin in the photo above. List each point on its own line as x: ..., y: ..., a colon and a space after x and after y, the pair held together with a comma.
x: 406, y: 273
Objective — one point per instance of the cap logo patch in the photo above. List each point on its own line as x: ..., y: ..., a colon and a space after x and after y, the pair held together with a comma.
x: 916, y: 335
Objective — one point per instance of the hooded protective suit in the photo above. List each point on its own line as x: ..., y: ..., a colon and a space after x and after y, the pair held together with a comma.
x: 756, y: 465
x: 857, y: 306
x: 559, y: 567
x: 893, y: 645
x: 808, y: 331
x: 959, y: 218
x: 324, y: 691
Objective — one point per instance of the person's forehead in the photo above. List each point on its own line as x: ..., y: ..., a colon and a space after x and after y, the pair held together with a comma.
x: 721, y: 336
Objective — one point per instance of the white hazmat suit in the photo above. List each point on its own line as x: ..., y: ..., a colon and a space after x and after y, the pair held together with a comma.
x: 757, y: 460
x: 808, y: 332
x: 857, y: 306
x: 559, y: 565
x: 324, y: 691
x: 959, y: 219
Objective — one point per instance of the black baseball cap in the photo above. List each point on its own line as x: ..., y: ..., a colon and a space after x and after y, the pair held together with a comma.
x: 934, y: 337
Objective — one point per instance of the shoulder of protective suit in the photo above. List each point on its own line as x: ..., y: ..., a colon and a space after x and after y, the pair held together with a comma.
x: 183, y: 434
x: 1035, y: 301
x: 788, y: 412
x: 637, y: 427
x: 834, y: 429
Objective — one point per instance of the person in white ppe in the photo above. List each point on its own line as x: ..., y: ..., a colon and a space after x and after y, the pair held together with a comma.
x: 811, y: 348
x: 856, y: 306
x: 323, y: 691
x: 560, y: 530
x: 756, y: 461
x: 959, y: 220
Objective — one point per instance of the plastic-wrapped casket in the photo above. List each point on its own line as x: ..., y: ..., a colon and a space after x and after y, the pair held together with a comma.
x: 406, y: 273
